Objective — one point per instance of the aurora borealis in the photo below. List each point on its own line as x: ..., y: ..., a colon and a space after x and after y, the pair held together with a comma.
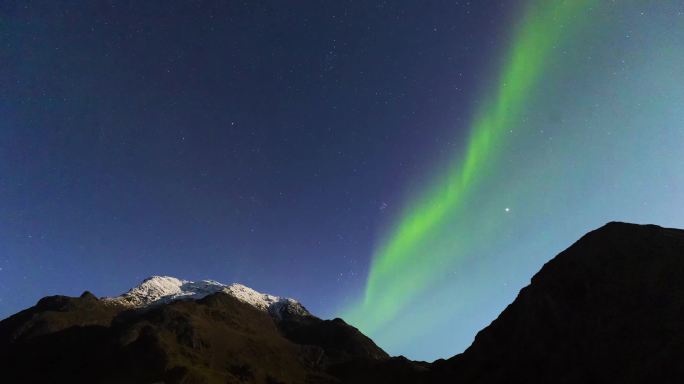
x: 406, y: 252
x: 551, y: 145
x: 404, y: 165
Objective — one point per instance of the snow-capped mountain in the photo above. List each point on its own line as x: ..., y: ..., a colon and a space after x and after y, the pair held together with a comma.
x: 163, y: 289
x: 169, y: 330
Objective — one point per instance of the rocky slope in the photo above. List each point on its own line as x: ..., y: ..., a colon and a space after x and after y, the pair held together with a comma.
x: 175, y: 331
x: 609, y: 309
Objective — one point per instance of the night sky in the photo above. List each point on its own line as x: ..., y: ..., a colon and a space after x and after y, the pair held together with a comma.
x: 407, y: 166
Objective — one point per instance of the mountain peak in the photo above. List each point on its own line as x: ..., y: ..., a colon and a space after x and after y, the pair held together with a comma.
x: 164, y: 289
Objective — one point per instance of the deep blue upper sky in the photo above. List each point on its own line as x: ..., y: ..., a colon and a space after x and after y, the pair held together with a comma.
x: 260, y: 142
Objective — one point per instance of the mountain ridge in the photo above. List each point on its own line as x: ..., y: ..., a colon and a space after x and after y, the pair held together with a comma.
x: 609, y: 308
x: 156, y: 290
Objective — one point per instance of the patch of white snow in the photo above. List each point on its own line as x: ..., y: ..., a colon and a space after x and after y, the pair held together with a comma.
x: 164, y: 289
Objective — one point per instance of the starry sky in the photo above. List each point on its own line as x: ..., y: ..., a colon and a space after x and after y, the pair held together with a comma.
x: 405, y: 165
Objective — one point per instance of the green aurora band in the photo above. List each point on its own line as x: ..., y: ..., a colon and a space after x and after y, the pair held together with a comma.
x: 406, y: 251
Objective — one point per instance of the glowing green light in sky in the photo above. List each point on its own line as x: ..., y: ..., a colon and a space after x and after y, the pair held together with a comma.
x: 404, y: 263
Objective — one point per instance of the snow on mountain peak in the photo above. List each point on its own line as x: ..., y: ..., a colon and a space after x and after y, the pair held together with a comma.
x: 164, y: 289
x: 248, y: 295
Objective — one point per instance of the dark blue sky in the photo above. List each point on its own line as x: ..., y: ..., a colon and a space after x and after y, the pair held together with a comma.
x: 268, y: 143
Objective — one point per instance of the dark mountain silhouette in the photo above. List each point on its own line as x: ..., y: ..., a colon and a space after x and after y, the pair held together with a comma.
x: 608, y: 309
x: 214, y: 339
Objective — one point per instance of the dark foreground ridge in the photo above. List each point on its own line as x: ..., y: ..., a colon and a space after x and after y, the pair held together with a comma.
x: 608, y: 309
